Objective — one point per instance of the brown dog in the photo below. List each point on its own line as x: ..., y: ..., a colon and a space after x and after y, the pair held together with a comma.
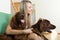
x: 18, y: 23
x: 43, y: 26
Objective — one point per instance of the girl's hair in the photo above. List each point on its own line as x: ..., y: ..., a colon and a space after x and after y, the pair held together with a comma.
x: 23, y: 6
x: 23, y: 9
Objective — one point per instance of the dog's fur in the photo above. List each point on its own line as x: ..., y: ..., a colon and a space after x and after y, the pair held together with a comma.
x: 43, y: 25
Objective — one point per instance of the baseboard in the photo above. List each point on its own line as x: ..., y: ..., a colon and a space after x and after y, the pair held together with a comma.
x: 49, y: 33
x: 59, y: 33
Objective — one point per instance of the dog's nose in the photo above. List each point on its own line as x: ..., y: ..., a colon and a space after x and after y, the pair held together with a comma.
x: 54, y: 26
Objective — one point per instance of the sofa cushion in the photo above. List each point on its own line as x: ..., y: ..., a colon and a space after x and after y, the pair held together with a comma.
x: 4, y: 21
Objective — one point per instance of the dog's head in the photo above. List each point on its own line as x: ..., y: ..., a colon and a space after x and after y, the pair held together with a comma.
x: 44, y: 26
x: 18, y: 21
x: 19, y: 18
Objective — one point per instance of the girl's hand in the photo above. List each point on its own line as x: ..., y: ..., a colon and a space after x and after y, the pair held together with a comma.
x: 28, y: 31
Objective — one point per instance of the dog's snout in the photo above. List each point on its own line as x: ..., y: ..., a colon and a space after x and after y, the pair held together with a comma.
x: 52, y: 27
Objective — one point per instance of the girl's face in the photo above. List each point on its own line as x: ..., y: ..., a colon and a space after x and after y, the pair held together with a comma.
x: 29, y: 8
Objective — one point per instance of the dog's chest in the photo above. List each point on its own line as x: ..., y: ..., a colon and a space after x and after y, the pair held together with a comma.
x: 51, y: 36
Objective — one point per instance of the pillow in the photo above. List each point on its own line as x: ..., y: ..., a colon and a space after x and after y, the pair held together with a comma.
x: 4, y: 21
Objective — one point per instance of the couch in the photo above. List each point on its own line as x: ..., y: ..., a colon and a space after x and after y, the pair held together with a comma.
x: 4, y: 21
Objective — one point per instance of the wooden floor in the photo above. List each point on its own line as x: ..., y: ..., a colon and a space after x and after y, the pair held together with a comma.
x: 53, y: 37
x: 58, y: 38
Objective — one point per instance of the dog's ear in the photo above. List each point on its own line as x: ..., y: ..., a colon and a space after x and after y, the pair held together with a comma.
x: 13, y: 23
x: 39, y: 21
x: 37, y: 24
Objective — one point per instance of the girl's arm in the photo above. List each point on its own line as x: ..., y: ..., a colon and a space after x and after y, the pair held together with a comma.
x: 9, y: 30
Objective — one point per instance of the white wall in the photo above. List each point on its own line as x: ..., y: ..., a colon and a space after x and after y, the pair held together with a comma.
x: 48, y: 9
x: 16, y: 0
x: 5, y: 6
